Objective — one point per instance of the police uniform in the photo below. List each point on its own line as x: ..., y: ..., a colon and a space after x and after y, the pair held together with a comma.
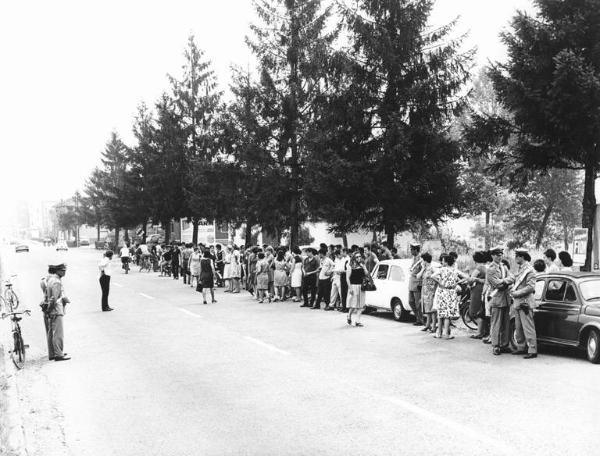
x: 498, y: 279
x: 415, y: 285
x: 524, y: 302
x: 56, y: 300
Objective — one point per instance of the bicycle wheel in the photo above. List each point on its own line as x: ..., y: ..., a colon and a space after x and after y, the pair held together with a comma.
x: 11, y: 299
x: 18, y: 352
x: 466, y: 316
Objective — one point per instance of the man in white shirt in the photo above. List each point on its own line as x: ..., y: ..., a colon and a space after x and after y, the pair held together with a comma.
x: 124, y: 254
x: 339, y: 270
x: 105, y: 273
x: 324, y: 287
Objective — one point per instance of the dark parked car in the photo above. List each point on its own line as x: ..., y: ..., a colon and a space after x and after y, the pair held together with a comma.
x: 568, y: 311
x: 21, y: 248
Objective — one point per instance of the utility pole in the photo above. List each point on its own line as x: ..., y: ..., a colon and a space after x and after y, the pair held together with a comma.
x: 77, y: 218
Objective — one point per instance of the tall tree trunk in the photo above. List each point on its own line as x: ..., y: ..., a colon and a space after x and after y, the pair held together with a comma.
x: 440, y: 237
x: 126, y: 238
x: 167, y: 232
x: 195, y: 223
x: 248, y: 235
x: 293, y: 124
x: 542, y: 229
x: 566, y: 236
x: 117, y: 233
x: 98, y: 232
x: 589, y: 208
x: 144, y: 231
x: 488, y: 242
x: 374, y: 237
x: 345, y: 240
x: 390, y: 232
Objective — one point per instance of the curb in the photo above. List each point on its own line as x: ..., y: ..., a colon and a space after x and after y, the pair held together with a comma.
x: 12, y: 435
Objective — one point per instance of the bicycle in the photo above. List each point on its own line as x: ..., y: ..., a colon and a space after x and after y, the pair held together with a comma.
x: 125, y: 264
x: 18, y: 352
x: 145, y: 263
x: 465, y: 303
x: 10, y: 297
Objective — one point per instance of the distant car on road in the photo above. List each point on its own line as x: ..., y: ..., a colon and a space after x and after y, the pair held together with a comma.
x: 84, y: 242
x: 391, y: 280
x: 21, y: 248
x: 61, y: 245
x: 568, y: 311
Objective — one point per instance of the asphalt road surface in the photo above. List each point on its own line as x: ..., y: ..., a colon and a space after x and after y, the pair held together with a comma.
x: 166, y: 375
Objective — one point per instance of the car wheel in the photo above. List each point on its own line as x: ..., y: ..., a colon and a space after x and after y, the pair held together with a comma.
x: 592, y: 346
x: 399, y: 313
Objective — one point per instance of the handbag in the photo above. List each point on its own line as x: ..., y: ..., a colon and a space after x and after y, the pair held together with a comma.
x: 367, y: 283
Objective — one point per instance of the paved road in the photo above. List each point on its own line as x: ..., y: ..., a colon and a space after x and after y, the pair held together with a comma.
x: 165, y: 375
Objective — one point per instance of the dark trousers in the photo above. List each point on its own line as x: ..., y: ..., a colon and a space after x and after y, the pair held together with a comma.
x: 309, y: 286
x: 105, y: 286
x: 324, y: 292
x: 344, y: 285
x: 414, y: 301
x: 185, y: 273
x: 175, y: 268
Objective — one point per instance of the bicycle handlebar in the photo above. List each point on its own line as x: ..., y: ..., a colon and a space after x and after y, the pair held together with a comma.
x: 4, y: 315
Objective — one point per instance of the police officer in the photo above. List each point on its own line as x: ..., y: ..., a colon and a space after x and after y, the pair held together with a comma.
x: 56, y: 300
x: 415, y: 283
x: 498, y: 279
x: 522, y: 293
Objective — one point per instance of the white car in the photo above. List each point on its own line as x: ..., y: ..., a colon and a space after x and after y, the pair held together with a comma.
x: 391, y: 281
x: 61, y: 245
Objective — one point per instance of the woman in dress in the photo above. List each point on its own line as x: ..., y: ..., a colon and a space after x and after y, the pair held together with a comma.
x: 296, y: 274
x: 262, y: 278
x: 194, y: 266
x: 235, y: 270
x: 207, y: 276
x: 446, y: 295
x: 270, y: 257
x: 477, y: 304
x: 428, y: 293
x: 280, y: 275
x: 355, y: 273
x: 227, y: 269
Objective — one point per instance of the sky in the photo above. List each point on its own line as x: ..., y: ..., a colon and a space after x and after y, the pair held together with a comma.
x: 73, y: 71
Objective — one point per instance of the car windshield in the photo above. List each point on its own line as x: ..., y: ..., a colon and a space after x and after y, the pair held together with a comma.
x: 590, y: 289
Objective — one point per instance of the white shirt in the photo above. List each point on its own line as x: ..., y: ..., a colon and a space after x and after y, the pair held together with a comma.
x: 340, y: 265
x: 144, y: 249
x: 326, y: 268
x: 104, y: 265
x: 124, y: 252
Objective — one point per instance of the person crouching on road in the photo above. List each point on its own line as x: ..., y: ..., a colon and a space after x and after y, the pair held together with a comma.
x: 105, y: 272
x: 356, y: 296
x: 55, y: 299
x: 523, y: 301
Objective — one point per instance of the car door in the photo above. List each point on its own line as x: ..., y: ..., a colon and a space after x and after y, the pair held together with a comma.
x: 557, y: 316
x: 377, y: 298
x: 398, y: 285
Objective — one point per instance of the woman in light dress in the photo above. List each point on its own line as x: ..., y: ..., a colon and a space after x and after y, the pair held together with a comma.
x: 447, y: 297
x: 296, y: 274
x: 280, y: 275
x: 235, y: 269
x: 194, y: 266
x: 355, y: 272
x: 262, y: 278
x: 227, y: 269
x: 428, y: 293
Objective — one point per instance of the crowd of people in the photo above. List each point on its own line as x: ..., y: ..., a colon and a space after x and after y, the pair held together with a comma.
x: 336, y: 278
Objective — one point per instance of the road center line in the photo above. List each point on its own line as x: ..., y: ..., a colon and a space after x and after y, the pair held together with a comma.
x: 118, y: 284
x: 190, y: 313
x: 268, y: 346
x: 448, y: 423
x: 146, y: 296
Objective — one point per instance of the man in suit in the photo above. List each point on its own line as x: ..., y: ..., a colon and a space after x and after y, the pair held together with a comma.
x: 415, y: 283
x: 498, y: 279
x: 522, y: 293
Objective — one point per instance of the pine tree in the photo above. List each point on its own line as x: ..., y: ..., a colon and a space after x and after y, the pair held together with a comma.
x: 400, y: 86
x: 293, y: 46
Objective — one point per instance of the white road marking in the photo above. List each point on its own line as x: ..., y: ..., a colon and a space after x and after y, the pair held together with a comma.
x: 146, y: 296
x: 448, y: 423
x: 269, y: 346
x: 190, y: 313
x: 118, y: 284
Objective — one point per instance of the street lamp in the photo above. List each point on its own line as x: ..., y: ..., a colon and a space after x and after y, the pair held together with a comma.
x: 77, y: 217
